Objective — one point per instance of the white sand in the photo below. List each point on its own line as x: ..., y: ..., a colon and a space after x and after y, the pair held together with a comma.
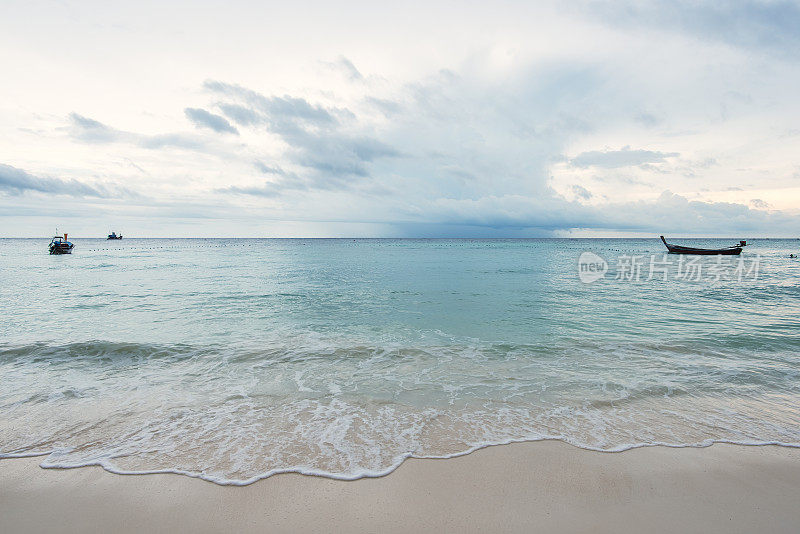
x: 530, y: 487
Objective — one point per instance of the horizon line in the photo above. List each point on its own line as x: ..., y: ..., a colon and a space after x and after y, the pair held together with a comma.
x: 418, y: 238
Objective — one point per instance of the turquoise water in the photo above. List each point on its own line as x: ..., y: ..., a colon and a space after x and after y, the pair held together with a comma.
x: 236, y: 359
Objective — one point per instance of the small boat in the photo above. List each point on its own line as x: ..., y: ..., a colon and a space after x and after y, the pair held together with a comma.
x: 60, y: 245
x: 735, y: 250
x: 113, y: 235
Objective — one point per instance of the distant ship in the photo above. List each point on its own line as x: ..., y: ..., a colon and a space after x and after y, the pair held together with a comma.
x: 113, y: 235
x: 60, y: 245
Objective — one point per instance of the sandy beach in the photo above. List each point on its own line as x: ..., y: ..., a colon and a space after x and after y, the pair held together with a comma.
x: 258, y: 254
x: 527, y: 487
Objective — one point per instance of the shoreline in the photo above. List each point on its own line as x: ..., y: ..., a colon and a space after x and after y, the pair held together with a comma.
x: 540, y: 486
x: 376, y: 474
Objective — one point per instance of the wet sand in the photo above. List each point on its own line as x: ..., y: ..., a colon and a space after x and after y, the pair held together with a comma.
x: 527, y: 487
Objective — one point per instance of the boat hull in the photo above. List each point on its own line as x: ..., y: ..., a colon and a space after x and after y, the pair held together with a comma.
x: 705, y: 252
x: 677, y: 249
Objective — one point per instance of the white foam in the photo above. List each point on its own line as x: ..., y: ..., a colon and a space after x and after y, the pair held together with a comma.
x: 326, y: 408
x: 108, y: 465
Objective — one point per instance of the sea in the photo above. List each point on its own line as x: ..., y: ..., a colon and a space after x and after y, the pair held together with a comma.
x: 235, y: 359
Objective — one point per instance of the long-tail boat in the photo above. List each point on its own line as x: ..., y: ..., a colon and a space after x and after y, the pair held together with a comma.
x: 735, y: 250
x: 60, y: 245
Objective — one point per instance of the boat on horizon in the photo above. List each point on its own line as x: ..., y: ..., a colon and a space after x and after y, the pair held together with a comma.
x: 60, y: 245
x: 735, y: 250
x: 113, y: 235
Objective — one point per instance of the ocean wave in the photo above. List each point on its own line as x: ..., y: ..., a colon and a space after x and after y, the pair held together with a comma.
x: 329, y: 406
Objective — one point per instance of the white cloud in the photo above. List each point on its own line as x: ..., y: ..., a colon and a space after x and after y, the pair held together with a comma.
x: 612, y: 159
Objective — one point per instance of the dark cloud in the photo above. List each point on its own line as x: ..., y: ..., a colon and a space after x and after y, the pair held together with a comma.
x: 759, y: 204
x: 316, y: 135
x: 241, y: 115
x: 281, y: 112
x: 289, y: 109
x: 679, y: 214
x: 17, y: 181
x: 336, y: 154
x: 204, y: 119
x: 368, y: 149
x: 669, y: 213
x: 612, y: 159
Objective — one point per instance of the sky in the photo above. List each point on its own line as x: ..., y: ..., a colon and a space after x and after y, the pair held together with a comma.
x: 420, y: 119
